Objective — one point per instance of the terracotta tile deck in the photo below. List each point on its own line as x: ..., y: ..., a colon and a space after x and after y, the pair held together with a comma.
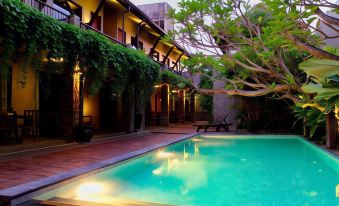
x: 33, y: 167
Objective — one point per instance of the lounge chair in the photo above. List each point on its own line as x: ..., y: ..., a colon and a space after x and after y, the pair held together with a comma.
x: 223, y: 123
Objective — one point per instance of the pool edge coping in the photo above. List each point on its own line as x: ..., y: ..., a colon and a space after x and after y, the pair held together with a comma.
x: 24, y: 192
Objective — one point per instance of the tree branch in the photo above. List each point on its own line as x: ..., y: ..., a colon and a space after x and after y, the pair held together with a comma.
x: 327, y: 18
x: 312, y: 49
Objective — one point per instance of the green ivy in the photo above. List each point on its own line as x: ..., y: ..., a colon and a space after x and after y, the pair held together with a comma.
x: 26, y: 32
x: 206, y: 101
x: 174, y: 79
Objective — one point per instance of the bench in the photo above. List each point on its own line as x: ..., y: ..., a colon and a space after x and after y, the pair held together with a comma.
x: 222, y: 124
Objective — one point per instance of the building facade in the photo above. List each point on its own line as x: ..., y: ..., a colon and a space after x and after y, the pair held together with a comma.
x: 58, y: 109
x: 158, y: 13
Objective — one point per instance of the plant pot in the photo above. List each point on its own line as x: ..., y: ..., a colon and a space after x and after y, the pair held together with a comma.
x: 138, y: 119
x: 83, y: 133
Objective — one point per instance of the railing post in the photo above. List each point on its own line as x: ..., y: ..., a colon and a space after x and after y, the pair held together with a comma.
x: 164, y: 115
x: 180, y: 110
x: 192, y: 107
x: 75, y: 20
x: 3, y: 96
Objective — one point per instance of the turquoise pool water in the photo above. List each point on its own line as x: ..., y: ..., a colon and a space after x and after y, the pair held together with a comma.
x: 218, y: 170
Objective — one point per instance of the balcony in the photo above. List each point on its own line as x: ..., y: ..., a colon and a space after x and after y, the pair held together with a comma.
x: 64, y: 16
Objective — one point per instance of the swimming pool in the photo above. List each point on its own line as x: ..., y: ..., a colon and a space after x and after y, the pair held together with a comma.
x: 217, y: 170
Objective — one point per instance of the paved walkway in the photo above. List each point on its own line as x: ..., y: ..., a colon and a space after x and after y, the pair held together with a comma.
x: 36, y: 166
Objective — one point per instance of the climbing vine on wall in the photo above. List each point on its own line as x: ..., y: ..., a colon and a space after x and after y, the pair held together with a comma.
x: 27, y: 36
x: 174, y: 79
x: 206, y: 101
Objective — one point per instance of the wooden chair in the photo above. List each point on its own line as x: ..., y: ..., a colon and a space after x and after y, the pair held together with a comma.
x: 87, y: 120
x: 31, y: 122
x: 9, y: 127
x: 222, y: 124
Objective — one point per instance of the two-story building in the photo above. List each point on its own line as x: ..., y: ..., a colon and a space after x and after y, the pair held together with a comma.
x: 52, y: 111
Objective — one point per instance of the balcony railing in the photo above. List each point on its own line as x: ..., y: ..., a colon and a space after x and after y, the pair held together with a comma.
x: 47, y: 10
x: 87, y: 27
x: 64, y: 17
x: 61, y: 16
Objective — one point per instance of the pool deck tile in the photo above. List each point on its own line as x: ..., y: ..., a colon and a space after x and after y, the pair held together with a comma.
x: 34, y: 167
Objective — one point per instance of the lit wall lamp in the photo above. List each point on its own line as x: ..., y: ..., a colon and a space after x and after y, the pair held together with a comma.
x: 56, y: 60
x: 77, y: 70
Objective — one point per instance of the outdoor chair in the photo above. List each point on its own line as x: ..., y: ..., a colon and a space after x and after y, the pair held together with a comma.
x: 9, y: 128
x: 222, y: 124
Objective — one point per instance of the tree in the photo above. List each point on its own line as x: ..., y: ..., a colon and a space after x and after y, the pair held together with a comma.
x: 257, y: 49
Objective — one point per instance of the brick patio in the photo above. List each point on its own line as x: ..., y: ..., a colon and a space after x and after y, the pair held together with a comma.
x: 37, y: 166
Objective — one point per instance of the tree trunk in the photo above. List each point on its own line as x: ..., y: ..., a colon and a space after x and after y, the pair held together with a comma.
x: 331, y: 130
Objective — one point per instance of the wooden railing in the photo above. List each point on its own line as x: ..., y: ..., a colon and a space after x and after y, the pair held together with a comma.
x: 87, y: 27
x: 47, y: 10
x: 61, y: 16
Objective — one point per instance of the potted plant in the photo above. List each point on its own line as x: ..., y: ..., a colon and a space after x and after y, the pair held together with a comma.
x: 83, y: 133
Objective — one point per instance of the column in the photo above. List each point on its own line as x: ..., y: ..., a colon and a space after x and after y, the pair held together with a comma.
x: 143, y: 120
x: 192, y: 107
x: 72, y: 96
x: 131, y: 113
x: 69, y: 104
x: 181, y: 106
x: 3, y: 96
x: 164, y: 115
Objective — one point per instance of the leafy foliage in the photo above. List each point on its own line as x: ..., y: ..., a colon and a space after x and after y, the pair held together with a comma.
x: 206, y: 101
x: 252, y: 47
x: 26, y: 35
x: 257, y: 49
x: 311, y: 117
x: 174, y: 79
x: 324, y: 84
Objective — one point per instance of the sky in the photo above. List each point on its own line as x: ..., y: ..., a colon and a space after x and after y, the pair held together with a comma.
x: 173, y: 3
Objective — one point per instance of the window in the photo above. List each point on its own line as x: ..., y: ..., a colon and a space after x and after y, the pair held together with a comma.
x: 160, y: 23
x: 120, y: 38
x: 70, y: 6
x: 155, y: 55
x: 97, y: 22
x: 167, y: 60
x: 139, y: 46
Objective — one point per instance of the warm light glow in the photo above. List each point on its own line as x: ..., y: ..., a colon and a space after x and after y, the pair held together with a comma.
x: 185, y: 154
x: 197, y: 140
x: 164, y: 155
x: 77, y: 70
x: 171, y: 164
x: 57, y: 60
x: 157, y: 86
x: 107, y: 200
x: 91, y: 188
x: 157, y: 171
x: 196, y: 149
x: 175, y: 91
